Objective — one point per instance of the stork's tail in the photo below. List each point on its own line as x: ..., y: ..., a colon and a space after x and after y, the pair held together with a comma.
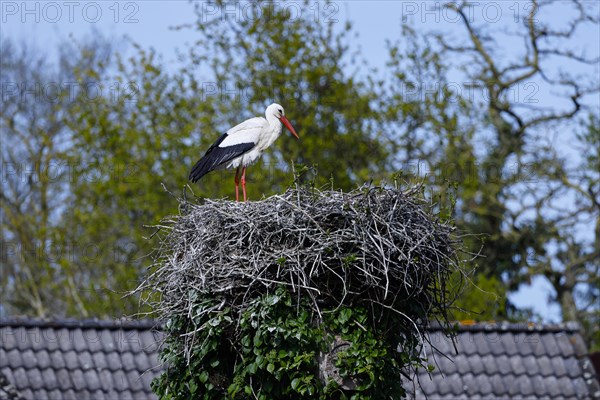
x: 200, y: 169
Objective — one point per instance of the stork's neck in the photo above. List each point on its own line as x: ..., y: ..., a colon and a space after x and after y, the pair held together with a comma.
x: 274, y: 124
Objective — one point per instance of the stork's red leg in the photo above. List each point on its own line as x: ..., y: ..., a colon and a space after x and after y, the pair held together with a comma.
x: 237, y: 183
x: 244, y: 182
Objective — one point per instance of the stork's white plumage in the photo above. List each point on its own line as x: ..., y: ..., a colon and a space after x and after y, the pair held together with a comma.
x: 242, y: 145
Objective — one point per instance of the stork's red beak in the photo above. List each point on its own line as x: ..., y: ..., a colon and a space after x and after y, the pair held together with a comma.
x: 289, y: 126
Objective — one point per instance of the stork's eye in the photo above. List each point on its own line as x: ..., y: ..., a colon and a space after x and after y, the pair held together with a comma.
x: 280, y: 111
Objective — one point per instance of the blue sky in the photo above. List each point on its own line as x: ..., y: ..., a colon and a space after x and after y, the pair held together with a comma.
x: 149, y: 23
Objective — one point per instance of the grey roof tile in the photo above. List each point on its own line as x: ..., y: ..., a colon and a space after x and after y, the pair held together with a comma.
x: 43, y: 359
x: 497, y: 348
x: 127, y: 361
x: 83, y: 395
x: 148, y: 376
x: 92, y: 380
x: 566, y: 386
x: 465, y: 344
x: 523, y: 384
x: 565, y: 346
x: 498, y: 386
x: 78, y: 380
x: 552, y: 387
x: 51, y: 339
x: 54, y: 394
x: 550, y: 345
x: 489, y: 364
x: 65, y: 339
x: 516, y: 365
x: 26, y: 393
x: 71, y: 360
x: 446, y: 365
x: 545, y: 365
x: 483, y: 385
x: 63, y: 378
x: 20, y: 379
x: 538, y: 385
x: 558, y: 367
x: 40, y: 394
x: 508, y: 346
x: 151, y: 339
x: 462, y: 364
x: 476, y: 365
x: 142, y: 361
x: 525, y: 342
x: 49, y: 378
x: 8, y: 338
x: 511, y: 389
x: 29, y: 359
x: 34, y: 378
x: 135, y: 381
x: 95, y: 339
x: 13, y: 358
x: 503, y: 363
x: 57, y: 359
x: 106, y: 380
x: 469, y: 385
x: 120, y: 381
x: 22, y: 340
x: 530, y: 365
x: 481, y: 345
x: 572, y: 367
x: 581, y: 389
x: 85, y: 360
x: 114, y: 361
x: 457, y: 385
x: 80, y: 343
x: 8, y: 373
x: 578, y: 345
x: 426, y: 382
x: 538, y: 348
x: 99, y: 360
x: 70, y: 394
x: 113, y: 394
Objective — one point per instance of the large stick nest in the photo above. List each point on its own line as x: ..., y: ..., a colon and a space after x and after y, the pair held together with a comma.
x: 376, y: 247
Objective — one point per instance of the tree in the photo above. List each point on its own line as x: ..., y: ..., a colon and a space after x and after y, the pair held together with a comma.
x: 131, y: 127
x: 84, y: 168
x: 35, y: 101
x: 271, y: 54
x: 498, y: 148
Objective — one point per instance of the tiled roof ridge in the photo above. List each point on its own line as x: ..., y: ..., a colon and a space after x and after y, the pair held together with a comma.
x: 144, y: 324
x: 513, y: 327
x: 73, y: 323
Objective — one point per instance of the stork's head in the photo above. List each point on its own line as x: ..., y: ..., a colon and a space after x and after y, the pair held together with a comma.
x: 277, y: 111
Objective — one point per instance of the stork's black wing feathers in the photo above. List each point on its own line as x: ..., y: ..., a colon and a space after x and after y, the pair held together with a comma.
x: 216, y: 156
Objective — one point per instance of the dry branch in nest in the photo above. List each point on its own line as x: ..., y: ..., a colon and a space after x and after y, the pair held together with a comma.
x: 374, y: 247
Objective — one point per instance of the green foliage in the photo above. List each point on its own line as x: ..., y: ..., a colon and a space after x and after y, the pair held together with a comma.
x: 302, y: 63
x: 270, y: 350
x: 483, y: 299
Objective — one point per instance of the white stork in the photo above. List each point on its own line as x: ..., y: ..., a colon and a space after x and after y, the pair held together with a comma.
x: 242, y: 145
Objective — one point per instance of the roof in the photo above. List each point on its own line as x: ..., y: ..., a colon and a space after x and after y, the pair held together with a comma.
x: 118, y: 359
x: 510, y: 361
x: 79, y: 359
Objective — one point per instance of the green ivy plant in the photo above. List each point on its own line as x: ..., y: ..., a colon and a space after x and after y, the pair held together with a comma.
x: 271, y: 349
